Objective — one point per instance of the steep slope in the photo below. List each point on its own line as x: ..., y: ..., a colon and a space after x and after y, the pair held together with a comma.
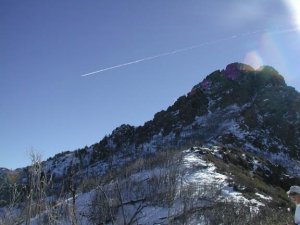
x: 188, y: 187
x: 201, y: 185
x: 248, y: 120
x: 238, y: 107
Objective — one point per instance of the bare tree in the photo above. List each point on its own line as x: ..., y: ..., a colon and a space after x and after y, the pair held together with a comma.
x: 103, y: 206
x: 36, y: 203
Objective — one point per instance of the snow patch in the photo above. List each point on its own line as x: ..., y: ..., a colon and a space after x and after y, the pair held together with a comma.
x: 269, y: 198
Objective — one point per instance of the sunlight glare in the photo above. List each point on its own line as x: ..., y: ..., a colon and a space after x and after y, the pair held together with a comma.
x: 253, y: 59
x: 294, y: 7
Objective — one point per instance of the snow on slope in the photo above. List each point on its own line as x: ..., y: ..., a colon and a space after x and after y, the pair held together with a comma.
x: 196, y: 175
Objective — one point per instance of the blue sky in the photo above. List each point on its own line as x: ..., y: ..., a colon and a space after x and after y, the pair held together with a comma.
x: 45, y: 47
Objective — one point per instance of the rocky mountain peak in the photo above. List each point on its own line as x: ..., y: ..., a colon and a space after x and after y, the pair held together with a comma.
x: 242, y: 75
x: 239, y: 121
x: 237, y: 106
x: 234, y: 70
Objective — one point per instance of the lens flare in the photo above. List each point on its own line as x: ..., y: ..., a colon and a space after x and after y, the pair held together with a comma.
x: 253, y: 59
x: 270, y: 51
x: 294, y: 7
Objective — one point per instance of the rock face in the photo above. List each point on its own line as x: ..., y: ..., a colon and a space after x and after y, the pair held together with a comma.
x: 266, y: 109
x: 233, y: 137
x: 238, y: 107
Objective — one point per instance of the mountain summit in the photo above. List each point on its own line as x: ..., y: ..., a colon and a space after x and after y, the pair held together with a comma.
x: 234, y: 137
x: 237, y: 107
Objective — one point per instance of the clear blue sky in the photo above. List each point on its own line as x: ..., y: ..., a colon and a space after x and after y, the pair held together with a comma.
x: 45, y: 46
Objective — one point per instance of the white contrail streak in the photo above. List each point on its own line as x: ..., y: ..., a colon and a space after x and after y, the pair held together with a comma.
x: 280, y: 31
x: 289, y: 30
x: 159, y: 55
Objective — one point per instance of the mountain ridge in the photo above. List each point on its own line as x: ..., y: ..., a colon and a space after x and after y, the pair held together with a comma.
x: 236, y: 133
x: 204, y: 98
x: 238, y: 87
x: 236, y: 107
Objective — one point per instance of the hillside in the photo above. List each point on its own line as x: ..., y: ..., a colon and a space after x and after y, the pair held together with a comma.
x: 231, y: 144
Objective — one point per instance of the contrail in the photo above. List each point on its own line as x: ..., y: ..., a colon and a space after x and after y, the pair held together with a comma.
x: 159, y: 55
x: 288, y: 30
x: 279, y: 31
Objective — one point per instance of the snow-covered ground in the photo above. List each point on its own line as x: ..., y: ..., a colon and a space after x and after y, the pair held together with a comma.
x: 195, y: 172
x: 197, y: 184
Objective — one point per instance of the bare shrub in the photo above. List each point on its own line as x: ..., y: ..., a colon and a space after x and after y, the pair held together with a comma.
x: 125, y: 197
x: 162, y: 187
x: 30, y: 200
x: 103, y: 206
